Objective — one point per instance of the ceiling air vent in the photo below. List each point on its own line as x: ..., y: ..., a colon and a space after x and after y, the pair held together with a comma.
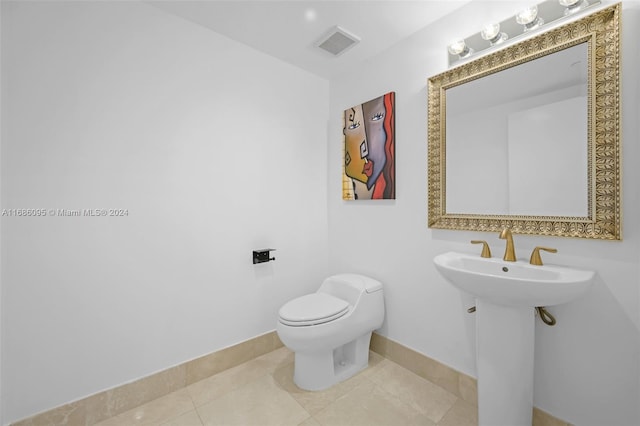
x: 337, y: 41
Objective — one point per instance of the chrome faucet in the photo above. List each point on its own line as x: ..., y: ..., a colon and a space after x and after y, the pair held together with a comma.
x: 510, y: 251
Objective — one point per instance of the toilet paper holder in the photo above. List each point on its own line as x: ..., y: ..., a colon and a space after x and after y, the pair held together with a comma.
x: 262, y: 255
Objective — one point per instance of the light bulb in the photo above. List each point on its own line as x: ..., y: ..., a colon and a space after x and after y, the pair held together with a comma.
x: 457, y: 47
x: 460, y: 48
x: 529, y: 18
x: 573, y: 6
x: 491, y: 33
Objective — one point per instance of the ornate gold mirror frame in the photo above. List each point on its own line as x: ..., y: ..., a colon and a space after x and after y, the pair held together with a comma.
x: 601, y: 32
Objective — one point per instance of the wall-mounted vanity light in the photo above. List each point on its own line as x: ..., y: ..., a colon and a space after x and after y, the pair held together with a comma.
x: 524, y: 22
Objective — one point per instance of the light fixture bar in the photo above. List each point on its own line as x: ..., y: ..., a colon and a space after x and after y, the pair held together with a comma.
x: 521, y: 24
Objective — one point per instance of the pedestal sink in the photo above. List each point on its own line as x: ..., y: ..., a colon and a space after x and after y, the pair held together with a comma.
x: 506, y: 293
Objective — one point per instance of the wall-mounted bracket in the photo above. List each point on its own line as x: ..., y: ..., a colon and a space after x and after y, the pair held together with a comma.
x: 262, y: 255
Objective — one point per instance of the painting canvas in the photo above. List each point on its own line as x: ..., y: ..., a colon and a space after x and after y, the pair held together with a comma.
x: 369, y: 150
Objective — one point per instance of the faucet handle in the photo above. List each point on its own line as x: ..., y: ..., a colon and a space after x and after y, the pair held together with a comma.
x: 535, y: 255
x: 486, y: 251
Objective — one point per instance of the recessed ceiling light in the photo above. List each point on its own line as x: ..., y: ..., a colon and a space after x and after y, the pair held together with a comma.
x: 310, y: 15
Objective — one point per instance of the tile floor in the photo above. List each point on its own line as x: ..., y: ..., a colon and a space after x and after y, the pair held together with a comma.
x: 261, y: 392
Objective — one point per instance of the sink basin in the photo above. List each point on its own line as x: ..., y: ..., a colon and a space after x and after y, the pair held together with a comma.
x: 513, y: 283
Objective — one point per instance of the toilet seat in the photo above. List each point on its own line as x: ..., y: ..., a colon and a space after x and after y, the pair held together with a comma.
x: 312, y: 309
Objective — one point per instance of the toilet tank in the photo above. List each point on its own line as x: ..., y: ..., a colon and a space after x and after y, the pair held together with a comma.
x: 350, y: 287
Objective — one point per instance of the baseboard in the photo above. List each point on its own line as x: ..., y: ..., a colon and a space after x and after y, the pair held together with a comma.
x: 103, y: 405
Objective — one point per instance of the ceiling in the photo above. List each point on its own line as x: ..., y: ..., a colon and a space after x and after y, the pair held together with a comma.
x: 289, y: 30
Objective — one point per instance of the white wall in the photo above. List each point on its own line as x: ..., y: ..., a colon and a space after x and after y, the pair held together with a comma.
x: 120, y: 105
x: 214, y: 149
x: 587, y: 365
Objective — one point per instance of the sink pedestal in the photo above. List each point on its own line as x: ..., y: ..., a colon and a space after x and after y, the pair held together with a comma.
x: 504, y: 361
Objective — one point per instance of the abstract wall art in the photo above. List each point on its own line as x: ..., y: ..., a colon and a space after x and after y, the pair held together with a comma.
x: 369, y: 150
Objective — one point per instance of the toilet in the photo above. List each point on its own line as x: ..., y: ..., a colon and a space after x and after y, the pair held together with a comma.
x: 329, y: 331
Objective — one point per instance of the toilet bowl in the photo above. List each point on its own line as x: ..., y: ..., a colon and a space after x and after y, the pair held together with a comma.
x: 329, y: 331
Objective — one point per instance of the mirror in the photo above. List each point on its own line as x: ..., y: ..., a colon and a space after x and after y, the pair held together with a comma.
x: 528, y: 136
x: 520, y: 125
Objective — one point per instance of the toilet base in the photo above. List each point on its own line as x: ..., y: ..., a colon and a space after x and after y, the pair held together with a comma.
x: 322, y: 369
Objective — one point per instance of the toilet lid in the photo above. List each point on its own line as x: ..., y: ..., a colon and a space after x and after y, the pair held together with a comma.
x: 313, y: 309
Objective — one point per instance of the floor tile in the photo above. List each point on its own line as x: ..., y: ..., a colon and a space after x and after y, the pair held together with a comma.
x: 187, y: 419
x: 261, y: 402
x: 461, y: 413
x: 154, y: 412
x: 314, y: 401
x: 262, y: 392
x: 424, y: 396
x: 310, y: 422
x: 368, y: 404
x: 376, y: 363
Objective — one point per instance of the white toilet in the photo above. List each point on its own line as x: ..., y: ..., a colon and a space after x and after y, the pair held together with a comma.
x: 329, y: 331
